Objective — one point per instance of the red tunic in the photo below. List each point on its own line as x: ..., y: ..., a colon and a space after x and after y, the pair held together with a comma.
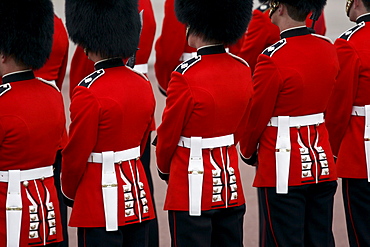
x: 286, y: 84
x: 261, y: 33
x: 172, y: 44
x: 352, y: 89
x: 208, y: 96
x: 81, y: 66
x: 31, y: 126
x: 55, y: 67
x: 112, y: 111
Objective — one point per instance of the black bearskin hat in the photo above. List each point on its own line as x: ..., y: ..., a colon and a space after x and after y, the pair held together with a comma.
x: 108, y: 27
x: 305, y: 5
x: 218, y: 20
x: 26, y: 30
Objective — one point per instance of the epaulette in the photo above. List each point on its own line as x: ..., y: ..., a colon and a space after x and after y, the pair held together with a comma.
x: 323, y: 37
x: 263, y: 7
x: 139, y: 73
x: 269, y: 51
x: 4, y: 88
x: 89, y: 80
x: 50, y: 83
x: 348, y: 34
x: 239, y: 59
x: 183, y: 67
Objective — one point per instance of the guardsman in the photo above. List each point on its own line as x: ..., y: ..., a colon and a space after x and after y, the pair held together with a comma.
x: 206, y: 112
x: 32, y: 124
x: 261, y: 33
x: 296, y: 175
x: 172, y: 47
x: 348, y: 121
x: 54, y: 71
x: 81, y: 67
x: 112, y: 114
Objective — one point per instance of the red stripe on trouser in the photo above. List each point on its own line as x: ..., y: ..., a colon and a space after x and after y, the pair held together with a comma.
x: 350, y: 213
x: 269, y: 217
x: 174, y: 229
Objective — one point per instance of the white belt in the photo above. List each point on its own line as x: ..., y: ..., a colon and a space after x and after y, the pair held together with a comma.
x: 14, y: 199
x: 364, y: 111
x: 187, y: 55
x: 142, y: 68
x: 196, y: 169
x: 109, y: 181
x: 283, y: 145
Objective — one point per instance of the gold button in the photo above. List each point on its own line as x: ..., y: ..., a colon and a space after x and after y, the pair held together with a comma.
x: 33, y: 227
x: 214, y: 198
x: 326, y: 172
x: 215, y: 190
x: 25, y: 183
x: 304, y: 158
x: 32, y: 235
x: 128, y: 213
x: 235, y: 196
x: 305, y: 166
x: 215, y: 182
x: 33, y: 218
x: 305, y: 174
x: 53, y: 232
x: 127, y: 197
x: 146, y: 210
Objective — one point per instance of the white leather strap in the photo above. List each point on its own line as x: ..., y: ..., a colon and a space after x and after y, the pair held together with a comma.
x: 14, y: 198
x: 195, y: 175
x: 367, y: 140
x: 300, y: 120
x: 282, y: 154
x: 364, y: 111
x: 31, y: 174
x: 196, y: 169
x: 109, y: 181
x: 13, y: 208
x: 208, y: 143
x: 142, y: 68
x: 120, y: 156
x: 358, y: 111
x: 110, y: 192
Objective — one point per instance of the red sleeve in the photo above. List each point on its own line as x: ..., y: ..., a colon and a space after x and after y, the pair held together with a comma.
x: 81, y: 67
x: 339, y: 108
x: 147, y: 32
x: 320, y: 26
x: 62, y: 69
x: 169, y: 46
x: 83, y: 132
x: 267, y: 82
x: 261, y: 33
x: 179, y: 105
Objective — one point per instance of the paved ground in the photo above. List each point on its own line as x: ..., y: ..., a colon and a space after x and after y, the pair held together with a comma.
x: 336, y: 24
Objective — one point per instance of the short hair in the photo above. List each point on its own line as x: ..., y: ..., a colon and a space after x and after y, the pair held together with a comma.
x: 366, y: 4
x: 296, y: 13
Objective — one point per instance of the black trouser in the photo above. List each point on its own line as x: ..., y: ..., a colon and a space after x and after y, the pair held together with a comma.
x: 63, y: 208
x: 303, y: 217
x: 153, y: 224
x: 356, y: 199
x: 217, y: 227
x: 133, y: 235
